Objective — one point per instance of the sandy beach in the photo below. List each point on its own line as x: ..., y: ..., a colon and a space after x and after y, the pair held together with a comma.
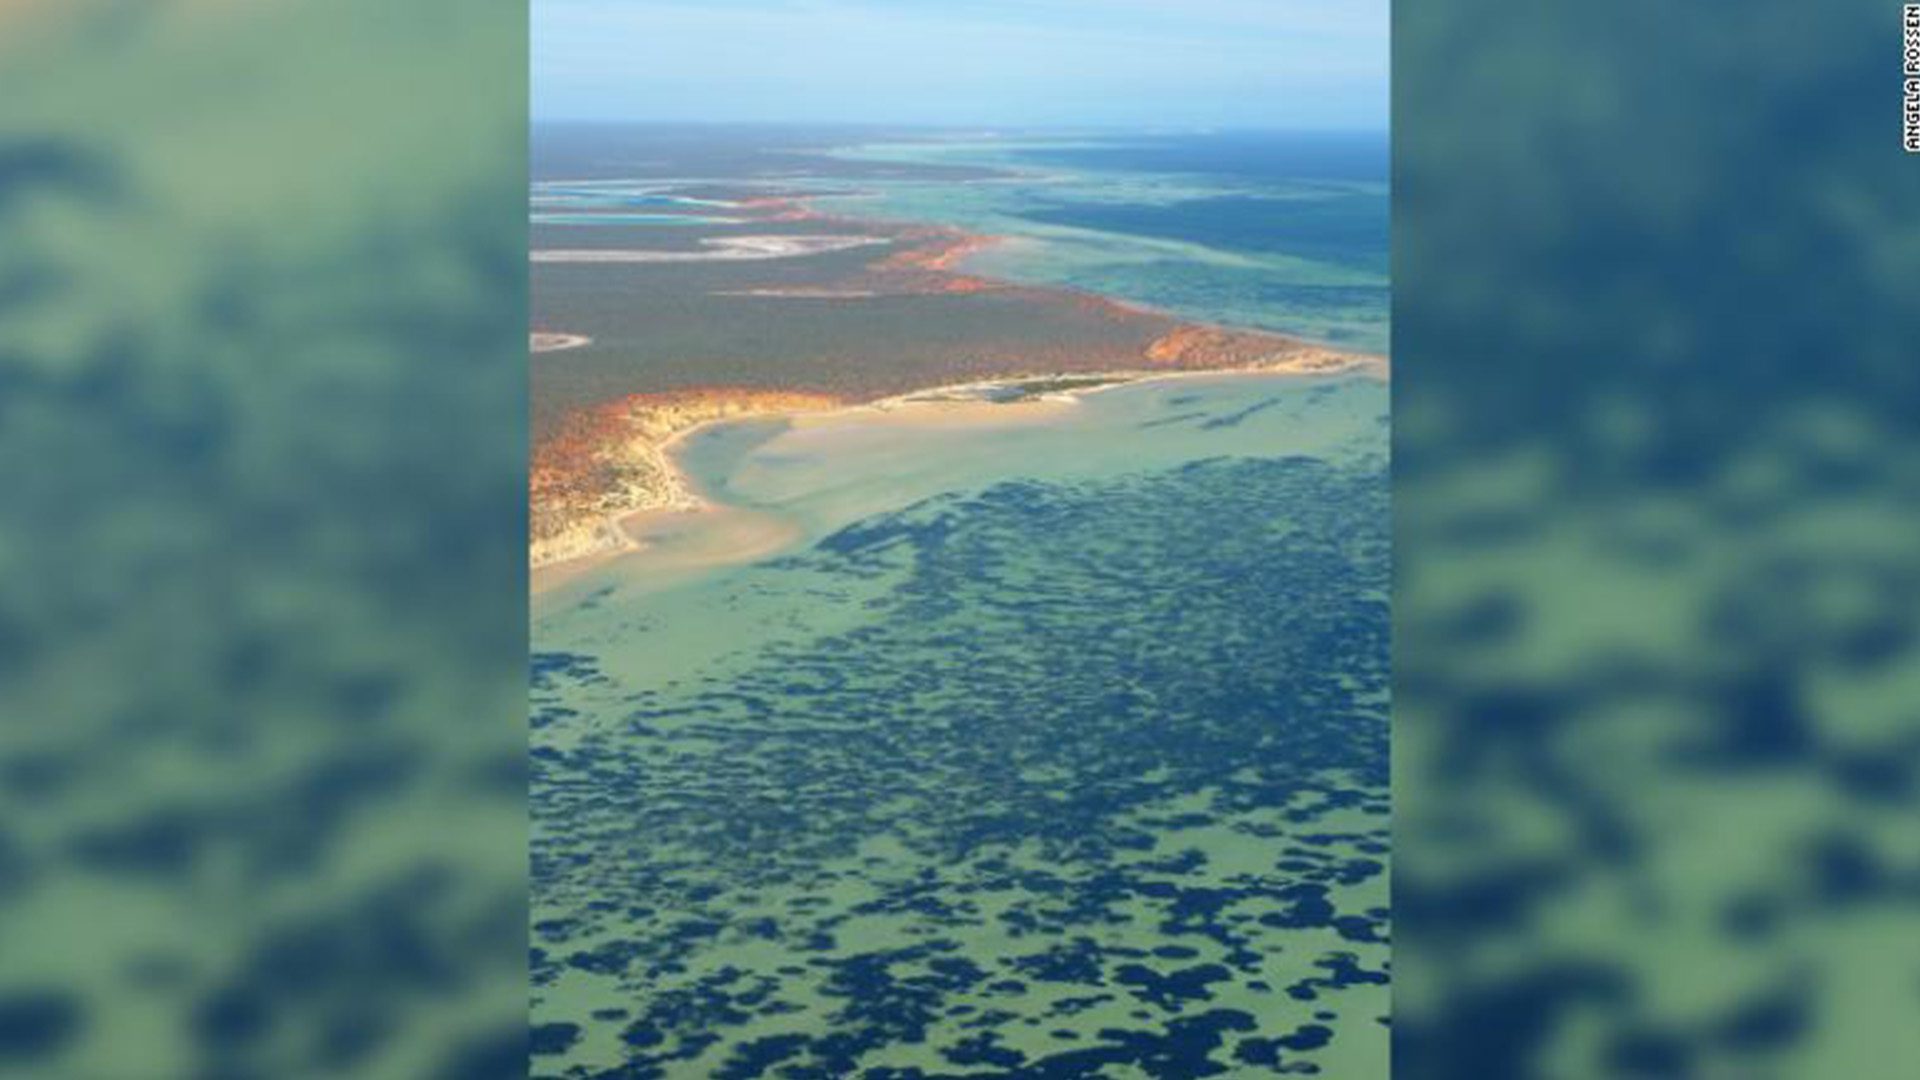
x: 693, y: 530
x: 544, y: 341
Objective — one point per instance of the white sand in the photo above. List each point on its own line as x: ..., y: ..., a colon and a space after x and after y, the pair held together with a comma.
x: 716, y: 249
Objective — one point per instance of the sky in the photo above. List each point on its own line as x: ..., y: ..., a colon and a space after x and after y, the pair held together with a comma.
x: 1318, y: 64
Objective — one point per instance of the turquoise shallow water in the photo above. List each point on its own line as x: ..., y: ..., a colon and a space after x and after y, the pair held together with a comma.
x: 1277, y: 232
x: 614, y: 193
x: 624, y: 218
x: 1053, y: 744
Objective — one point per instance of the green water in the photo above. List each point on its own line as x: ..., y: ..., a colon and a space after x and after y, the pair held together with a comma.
x: 1052, y: 746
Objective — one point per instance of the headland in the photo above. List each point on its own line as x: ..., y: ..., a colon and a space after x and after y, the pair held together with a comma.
x: 704, y: 325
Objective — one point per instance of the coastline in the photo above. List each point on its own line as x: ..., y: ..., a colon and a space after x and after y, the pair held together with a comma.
x: 626, y: 461
x: 632, y: 530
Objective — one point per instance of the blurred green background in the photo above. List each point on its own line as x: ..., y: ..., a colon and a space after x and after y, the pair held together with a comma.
x: 1657, y: 490
x: 262, y: 587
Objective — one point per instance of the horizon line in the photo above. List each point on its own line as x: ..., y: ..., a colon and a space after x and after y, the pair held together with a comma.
x: 934, y: 125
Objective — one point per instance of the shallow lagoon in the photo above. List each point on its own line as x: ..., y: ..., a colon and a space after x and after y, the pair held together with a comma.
x: 1051, y: 743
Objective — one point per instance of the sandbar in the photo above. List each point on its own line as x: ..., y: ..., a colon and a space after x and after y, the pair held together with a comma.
x: 713, y: 249
x: 545, y: 341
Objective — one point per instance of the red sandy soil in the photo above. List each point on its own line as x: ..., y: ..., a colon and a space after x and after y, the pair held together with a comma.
x: 779, y: 208
x: 927, y: 263
x: 610, y: 460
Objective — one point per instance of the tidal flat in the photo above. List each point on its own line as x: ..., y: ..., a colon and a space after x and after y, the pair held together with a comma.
x: 1048, y: 746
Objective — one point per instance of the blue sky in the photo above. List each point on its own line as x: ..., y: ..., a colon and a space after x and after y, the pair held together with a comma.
x: 1187, y: 63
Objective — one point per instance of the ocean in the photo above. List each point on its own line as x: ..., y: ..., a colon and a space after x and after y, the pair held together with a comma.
x: 1285, y: 232
x: 1050, y: 742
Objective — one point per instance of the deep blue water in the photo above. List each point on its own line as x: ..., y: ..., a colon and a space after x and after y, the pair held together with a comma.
x: 1257, y: 156
x: 1310, y: 195
x: 1343, y: 228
